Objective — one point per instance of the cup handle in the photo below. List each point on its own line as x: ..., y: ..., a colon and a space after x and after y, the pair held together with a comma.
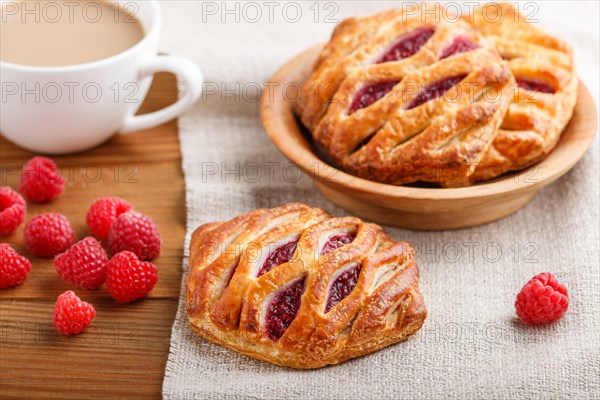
x: 184, y: 69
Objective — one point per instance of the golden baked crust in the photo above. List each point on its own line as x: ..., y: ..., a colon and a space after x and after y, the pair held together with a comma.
x: 231, y: 298
x: 482, y: 124
x: 534, y: 121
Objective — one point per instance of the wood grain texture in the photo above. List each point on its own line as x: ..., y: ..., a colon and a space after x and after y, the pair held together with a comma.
x: 123, y: 353
x: 419, y: 207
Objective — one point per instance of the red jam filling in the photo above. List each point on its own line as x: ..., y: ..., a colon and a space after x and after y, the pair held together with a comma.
x: 434, y: 90
x: 370, y: 94
x: 535, y: 85
x: 337, y: 241
x: 283, y: 309
x: 407, y: 46
x: 460, y: 44
x: 279, y: 256
x: 341, y: 287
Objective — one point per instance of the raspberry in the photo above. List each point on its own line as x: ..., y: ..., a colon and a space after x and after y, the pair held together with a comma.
x: 12, y: 210
x: 14, y: 268
x: 71, y: 315
x: 542, y: 300
x: 128, y: 278
x: 135, y: 232
x: 84, y: 264
x: 46, y: 235
x: 103, y: 212
x: 40, y: 180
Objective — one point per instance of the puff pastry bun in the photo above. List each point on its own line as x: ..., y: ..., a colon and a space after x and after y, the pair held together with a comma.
x: 295, y: 287
x: 400, y: 98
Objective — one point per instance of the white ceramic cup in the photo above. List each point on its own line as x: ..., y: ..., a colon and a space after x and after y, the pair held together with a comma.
x: 59, y: 110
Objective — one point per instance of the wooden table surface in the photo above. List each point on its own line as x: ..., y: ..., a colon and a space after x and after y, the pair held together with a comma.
x: 123, y: 353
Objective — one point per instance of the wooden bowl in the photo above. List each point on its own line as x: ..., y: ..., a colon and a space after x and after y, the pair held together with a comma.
x: 417, y: 207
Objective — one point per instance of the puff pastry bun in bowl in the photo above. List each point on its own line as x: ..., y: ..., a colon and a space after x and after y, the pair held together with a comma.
x: 448, y: 106
x: 296, y: 287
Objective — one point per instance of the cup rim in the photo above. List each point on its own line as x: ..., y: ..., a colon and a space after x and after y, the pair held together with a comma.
x: 69, y: 68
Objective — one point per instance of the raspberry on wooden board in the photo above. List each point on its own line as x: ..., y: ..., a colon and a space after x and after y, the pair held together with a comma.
x: 12, y: 210
x: 103, y: 212
x: 84, y: 264
x: 14, y: 268
x: 46, y: 235
x: 128, y: 278
x: 41, y: 180
x: 135, y: 232
x: 72, y: 315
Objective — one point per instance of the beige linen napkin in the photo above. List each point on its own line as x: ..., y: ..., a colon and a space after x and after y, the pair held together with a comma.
x: 470, y: 346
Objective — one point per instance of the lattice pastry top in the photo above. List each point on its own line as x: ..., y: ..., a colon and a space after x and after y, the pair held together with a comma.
x: 400, y: 98
x: 293, y: 286
x: 547, y: 90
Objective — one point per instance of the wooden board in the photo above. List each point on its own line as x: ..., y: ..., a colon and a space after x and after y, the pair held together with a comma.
x: 124, y: 352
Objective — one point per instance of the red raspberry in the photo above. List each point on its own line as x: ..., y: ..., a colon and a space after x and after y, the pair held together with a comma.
x: 71, y: 315
x: 14, y: 268
x: 46, y: 235
x: 128, y: 278
x: 542, y: 300
x: 135, y: 232
x: 84, y: 264
x: 40, y: 180
x: 103, y: 212
x: 12, y: 210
